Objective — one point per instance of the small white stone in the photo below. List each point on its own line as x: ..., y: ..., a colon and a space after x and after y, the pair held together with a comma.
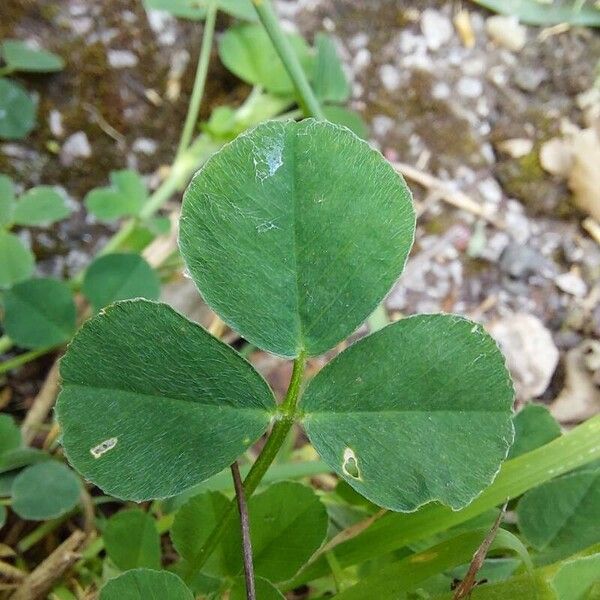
x: 507, y: 32
x: 55, y: 122
x: 490, y: 190
x: 440, y: 90
x: 145, y: 146
x: 469, y: 87
x: 122, y: 59
x: 382, y: 125
x: 362, y: 60
x: 571, y: 283
x: 390, y: 77
x: 76, y: 146
x: 436, y: 27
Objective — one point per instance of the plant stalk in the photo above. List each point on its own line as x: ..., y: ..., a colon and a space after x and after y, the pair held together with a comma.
x: 290, y: 60
x: 199, y: 81
x: 286, y: 413
x: 245, y: 531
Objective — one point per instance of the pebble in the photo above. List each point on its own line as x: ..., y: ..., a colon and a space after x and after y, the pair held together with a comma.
x: 362, y: 59
x: 436, y: 27
x: 507, y: 32
x: 469, y: 87
x: 122, y: 59
x: 571, y: 283
x: 529, y: 79
x: 75, y: 147
x: 440, y: 90
x: 390, y: 77
x: 530, y: 352
x: 145, y: 146
x: 490, y: 190
x: 55, y: 122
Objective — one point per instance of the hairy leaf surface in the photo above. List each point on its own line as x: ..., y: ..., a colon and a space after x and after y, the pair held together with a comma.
x: 419, y: 411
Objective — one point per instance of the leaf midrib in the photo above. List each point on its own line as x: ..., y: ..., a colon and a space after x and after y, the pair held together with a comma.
x: 68, y: 385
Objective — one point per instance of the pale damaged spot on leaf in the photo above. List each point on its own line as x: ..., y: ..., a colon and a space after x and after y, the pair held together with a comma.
x: 350, y: 464
x: 424, y: 557
x: 104, y: 447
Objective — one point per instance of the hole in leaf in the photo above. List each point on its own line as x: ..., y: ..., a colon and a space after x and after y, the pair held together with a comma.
x: 350, y: 464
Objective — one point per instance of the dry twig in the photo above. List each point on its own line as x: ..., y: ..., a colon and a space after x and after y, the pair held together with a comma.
x: 37, y: 584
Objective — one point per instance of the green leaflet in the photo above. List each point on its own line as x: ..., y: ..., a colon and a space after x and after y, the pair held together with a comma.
x: 115, y: 277
x: 20, y: 57
x: 45, y: 491
x: 575, y: 578
x: 152, y: 404
x: 534, y: 427
x: 10, y: 434
x: 562, y: 516
x: 131, y: 540
x: 403, y: 415
x: 16, y: 261
x: 146, y: 584
x: 40, y: 206
x: 17, y: 110
x: 247, y: 51
x: 288, y: 523
x: 124, y: 197
x: 294, y: 232
x: 39, y: 312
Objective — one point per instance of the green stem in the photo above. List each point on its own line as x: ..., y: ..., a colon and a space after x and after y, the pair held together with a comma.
x: 5, y: 344
x: 286, y: 414
x: 290, y: 61
x: 200, y: 80
x: 6, y: 71
x: 23, y: 359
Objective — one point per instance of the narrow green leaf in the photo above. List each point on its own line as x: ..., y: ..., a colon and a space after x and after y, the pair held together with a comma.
x: 39, y: 312
x: 562, y: 516
x: 534, y: 427
x: 247, y: 51
x: 265, y: 590
x: 10, y: 434
x: 17, y: 110
x: 16, y: 261
x: 396, y: 530
x: 45, y: 491
x: 20, y: 57
x: 119, y: 277
x: 195, y: 10
x: 124, y: 197
x: 537, y: 12
x: 7, y: 200
x: 288, y: 523
x: 441, y: 435
x: 41, y: 206
x: 145, y: 584
x: 575, y: 578
x: 131, y: 540
x: 330, y: 83
x: 152, y: 404
x: 520, y: 587
x: 323, y: 226
x: 402, y: 576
